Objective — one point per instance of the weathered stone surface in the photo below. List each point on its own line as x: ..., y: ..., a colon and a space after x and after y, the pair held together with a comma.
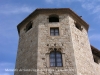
x: 35, y: 46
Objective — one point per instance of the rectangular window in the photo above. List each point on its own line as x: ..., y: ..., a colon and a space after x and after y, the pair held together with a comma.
x: 54, y: 31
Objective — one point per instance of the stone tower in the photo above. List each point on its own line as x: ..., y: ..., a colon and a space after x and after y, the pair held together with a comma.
x: 54, y: 42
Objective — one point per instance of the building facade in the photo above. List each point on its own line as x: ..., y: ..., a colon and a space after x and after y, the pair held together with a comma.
x: 55, y: 42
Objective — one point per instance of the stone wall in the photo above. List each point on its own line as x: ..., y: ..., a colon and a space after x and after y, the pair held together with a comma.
x: 27, y: 50
x: 35, y: 46
x: 82, y: 50
x: 97, y: 67
x: 63, y: 41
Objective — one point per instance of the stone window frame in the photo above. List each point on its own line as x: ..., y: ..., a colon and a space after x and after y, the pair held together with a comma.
x: 55, y: 52
x: 48, y: 57
x: 54, y: 26
x: 54, y: 33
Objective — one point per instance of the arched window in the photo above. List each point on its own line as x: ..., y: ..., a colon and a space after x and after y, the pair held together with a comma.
x: 53, y: 18
x: 55, y: 58
x: 29, y: 26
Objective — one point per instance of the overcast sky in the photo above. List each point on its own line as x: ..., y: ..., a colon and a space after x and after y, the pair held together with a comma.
x: 12, y: 12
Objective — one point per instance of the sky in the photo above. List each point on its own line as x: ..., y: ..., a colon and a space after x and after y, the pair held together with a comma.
x: 12, y: 12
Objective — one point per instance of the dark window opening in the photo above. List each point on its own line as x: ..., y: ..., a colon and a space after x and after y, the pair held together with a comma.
x: 55, y: 59
x: 78, y: 26
x: 53, y: 18
x: 29, y: 26
x: 96, y: 59
x: 54, y: 31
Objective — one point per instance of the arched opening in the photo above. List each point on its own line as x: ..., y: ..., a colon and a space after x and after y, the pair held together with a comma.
x: 53, y: 18
x: 29, y: 26
x: 78, y: 26
x: 55, y: 58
